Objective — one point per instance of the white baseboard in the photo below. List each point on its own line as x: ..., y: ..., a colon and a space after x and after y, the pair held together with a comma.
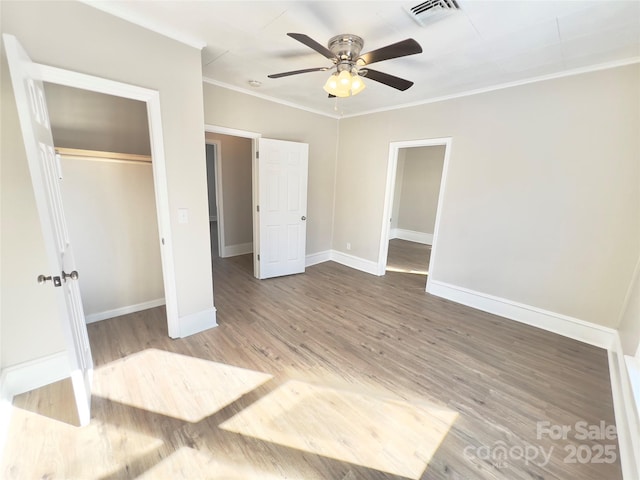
x: 116, y: 312
x: 197, y: 322
x: 315, y: 258
x: 33, y: 374
x: 238, y: 249
x: 575, y: 328
x: 411, y: 236
x: 355, y: 262
x: 626, y: 412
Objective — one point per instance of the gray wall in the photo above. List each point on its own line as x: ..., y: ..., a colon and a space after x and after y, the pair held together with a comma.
x: 94, y: 121
x: 75, y: 36
x: 541, y: 204
x: 421, y: 173
x: 235, y: 167
x: 211, y: 180
x: 227, y: 108
x: 111, y: 213
x: 397, y: 190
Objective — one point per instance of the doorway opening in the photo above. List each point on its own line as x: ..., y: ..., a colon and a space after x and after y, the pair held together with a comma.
x: 151, y: 100
x: 416, y: 175
x: 231, y: 178
x: 106, y: 169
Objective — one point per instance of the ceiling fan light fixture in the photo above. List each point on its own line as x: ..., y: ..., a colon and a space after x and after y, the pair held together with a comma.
x: 357, y: 84
x: 344, y: 84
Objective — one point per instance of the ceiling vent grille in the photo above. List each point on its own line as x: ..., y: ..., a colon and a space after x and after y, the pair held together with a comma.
x: 432, y: 10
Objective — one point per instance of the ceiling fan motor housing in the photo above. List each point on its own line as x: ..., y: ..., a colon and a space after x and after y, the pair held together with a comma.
x: 346, y: 47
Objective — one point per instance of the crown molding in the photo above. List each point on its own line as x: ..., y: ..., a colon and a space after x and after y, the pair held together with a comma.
x: 542, y: 78
x: 267, y: 97
x: 113, y: 9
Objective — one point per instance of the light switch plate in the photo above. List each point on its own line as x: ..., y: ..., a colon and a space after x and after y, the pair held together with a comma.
x: 183, y: 215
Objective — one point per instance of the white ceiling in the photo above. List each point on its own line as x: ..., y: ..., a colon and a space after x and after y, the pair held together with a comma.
x: 484, y: 45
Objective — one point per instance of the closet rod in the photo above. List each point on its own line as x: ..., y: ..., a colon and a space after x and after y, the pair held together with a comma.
x: 97, y: 155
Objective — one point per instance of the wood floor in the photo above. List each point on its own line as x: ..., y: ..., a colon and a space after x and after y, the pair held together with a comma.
x: 408, y: 257
x: 334, y: 375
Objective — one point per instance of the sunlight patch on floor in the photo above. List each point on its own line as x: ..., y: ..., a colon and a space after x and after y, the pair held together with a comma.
x: 388, y: 435
x: 406, y: 270
x: 175, y: 385
x: 189, y: 463
x: 104, y: 447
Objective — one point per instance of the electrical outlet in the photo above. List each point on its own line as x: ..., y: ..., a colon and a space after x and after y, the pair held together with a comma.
x: 348, y: 245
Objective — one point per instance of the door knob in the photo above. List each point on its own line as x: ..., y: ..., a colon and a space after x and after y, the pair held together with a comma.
x: 42, y: 279
x: 303, y: 218
x: 73, y: 275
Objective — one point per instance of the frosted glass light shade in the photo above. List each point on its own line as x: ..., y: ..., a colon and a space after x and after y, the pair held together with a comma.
x: 344, y: 84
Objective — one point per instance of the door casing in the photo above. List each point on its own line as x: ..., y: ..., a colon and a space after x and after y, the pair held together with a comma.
x: 392, y: 166
x: 254, y: 182
x: 151, y: 98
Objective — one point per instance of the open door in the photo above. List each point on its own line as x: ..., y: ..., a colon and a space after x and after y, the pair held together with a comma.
x: 282, y: 207
x: 45, y: 175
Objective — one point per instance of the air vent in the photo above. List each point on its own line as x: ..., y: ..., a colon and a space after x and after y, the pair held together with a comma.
x: 432, y: 10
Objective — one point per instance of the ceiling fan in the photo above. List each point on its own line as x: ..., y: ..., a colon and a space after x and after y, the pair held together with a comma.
x: 344, y: 51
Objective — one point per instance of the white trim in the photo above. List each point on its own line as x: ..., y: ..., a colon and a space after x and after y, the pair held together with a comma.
x: 217, y: 167
x: 197, y: 322
x: 33, y: 374
x: 392, y: 167
x: 124, y: 14
x: 627, y: 419
x: 116, y: 312
x: 575, y: 328
x: 352, y: 261
x: 152, y: 99
x: 268, y: 98
x: 502, y: 86
x: 633, y: 371
x: 411, y: 236
x: 627, y: 296
x: 254, y: 186
x: 316, y: 258
x: 467, y: 93
x: 235, y: 250
x: 233, y: 132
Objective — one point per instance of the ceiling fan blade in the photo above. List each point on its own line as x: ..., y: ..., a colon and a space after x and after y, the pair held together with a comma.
x: 390, y: 80
x: 296, y: 72
x: 395, y: 50
x: 311, y: 43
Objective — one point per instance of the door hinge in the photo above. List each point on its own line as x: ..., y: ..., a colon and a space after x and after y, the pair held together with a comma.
x: 257, y: 154
x: 257, y: 208
x: 258, y: 256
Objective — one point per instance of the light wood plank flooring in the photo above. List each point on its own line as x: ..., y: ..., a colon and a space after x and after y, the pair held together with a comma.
x: 408, y: 257
x: 333, y: 374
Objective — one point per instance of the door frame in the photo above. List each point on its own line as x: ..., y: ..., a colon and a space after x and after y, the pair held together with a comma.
x: 392, y: 167
x: 151, y: 98
x: 217, y: 174
x: 255, y: 137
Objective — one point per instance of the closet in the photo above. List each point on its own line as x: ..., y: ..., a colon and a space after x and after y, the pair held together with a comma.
x: 107, y: 188
x: 111, y: 214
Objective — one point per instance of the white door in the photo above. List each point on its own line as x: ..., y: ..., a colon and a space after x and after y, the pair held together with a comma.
x: 45, y: 175
x: 282, y: 202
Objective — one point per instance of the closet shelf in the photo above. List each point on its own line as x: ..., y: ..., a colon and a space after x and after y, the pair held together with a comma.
x: 99, y: 155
